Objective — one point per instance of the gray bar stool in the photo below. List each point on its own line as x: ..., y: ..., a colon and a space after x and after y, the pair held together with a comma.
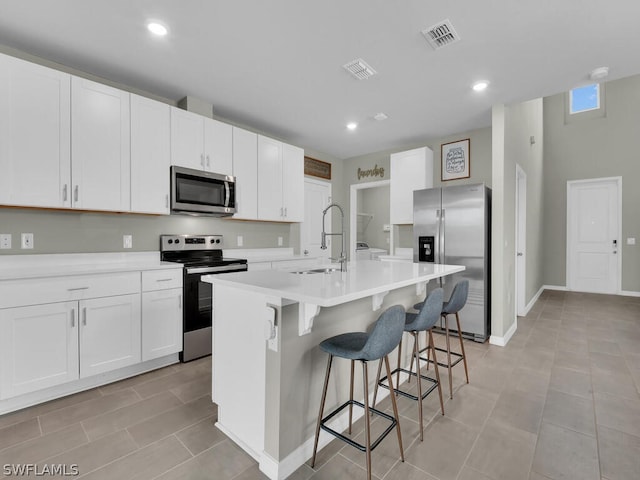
x: 364, y: 347
x: 423, y: 321
x: 456, y: 302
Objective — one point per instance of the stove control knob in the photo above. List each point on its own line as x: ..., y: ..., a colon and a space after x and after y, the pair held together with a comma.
x: 177, y: 240
x: 217, y: 240
x: 170, y: 242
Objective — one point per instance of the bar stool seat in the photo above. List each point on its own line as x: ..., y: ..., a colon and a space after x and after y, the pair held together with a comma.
x: 363, y: 347
x: 456, y: 302
x: 423, y: 321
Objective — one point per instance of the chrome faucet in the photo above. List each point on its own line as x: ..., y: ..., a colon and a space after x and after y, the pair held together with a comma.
x: 323, y: 245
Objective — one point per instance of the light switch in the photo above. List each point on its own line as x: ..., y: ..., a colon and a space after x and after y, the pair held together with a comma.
x: 240, y: 240
x: 279, y: 241
x: 127, y: 241
x: 631, y: 240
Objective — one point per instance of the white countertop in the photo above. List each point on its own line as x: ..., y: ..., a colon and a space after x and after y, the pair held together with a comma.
x: 362, y: 279
x: 256, y: 255
x: 15, y: 267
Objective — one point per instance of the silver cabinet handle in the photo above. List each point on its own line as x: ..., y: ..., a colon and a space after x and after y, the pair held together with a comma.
x: 281, y: 212
x: 73, y: 318
x: 285, y: 211
x: 164, y: 279
x: 75, y: 193
x: 64, y: 193
x: 202, y: 160
x: 208, y: 162
x: 76, y: 289
x: 84, y: 316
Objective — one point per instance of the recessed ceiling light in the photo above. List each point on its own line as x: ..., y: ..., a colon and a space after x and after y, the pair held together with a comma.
x: 380, y: 116
x: 157, y: 29
x: 480, y: 86
x: 599, y: 73
x: 352, y: 125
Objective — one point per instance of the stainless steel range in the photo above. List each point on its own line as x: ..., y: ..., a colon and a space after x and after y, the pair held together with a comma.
x: 201, y: 255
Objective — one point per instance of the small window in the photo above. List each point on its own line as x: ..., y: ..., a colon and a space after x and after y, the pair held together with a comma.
x: 584, y: 99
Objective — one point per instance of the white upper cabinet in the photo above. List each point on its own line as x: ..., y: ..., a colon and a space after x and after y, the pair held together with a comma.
x: 200, y: 142
x: 34, y: 135
x: 410, y: 170
x: 293, y: 183
x: 280, y: 181
x: 150, y: 155
x: 100, y: 146
x: 245, y: 169
x: 270, y: 179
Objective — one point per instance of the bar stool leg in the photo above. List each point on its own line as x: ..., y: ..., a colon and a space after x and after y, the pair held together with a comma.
x: 399, y: 366
x: 464, y: 356
x: 324, y: 397
x: 446, y: 326
x: 395, y: 406
x: 416, y: 354
x: 375, y: 388
x: 365, y: 385
x: 435, y: 367
x: 351, y: 395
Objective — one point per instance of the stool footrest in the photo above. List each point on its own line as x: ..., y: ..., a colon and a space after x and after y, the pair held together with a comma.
x: 434, y: 384
x: 346, y: 439
x: 446, y: 365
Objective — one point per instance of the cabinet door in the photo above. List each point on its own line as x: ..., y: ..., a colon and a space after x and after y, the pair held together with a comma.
x: 218, y: 146
x: 35, y: 135
x: 100, y: 146
x: 38, y: 347
x: 161, y: 323
x: 187, y: 139
x: 150, y: 155
x: 269, y: 179
x: 109, y: 333
x: 245, y: 169
x: 293, y: 183
x: 410, y: 170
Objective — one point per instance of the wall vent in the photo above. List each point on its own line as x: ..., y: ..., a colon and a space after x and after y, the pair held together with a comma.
x: 359, y: 69
x: 441, y: 34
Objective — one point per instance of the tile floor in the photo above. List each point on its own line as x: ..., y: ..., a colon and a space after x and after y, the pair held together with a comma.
x: 560, y: 401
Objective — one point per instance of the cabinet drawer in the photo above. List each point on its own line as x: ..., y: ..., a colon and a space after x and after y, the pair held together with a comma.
x: 161, y: 279
x: 37, y: 291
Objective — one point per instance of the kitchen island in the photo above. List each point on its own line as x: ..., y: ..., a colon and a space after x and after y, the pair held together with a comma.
x: 267, y: 368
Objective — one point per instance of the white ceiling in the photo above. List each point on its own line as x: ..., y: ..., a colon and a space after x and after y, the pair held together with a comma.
x: 276, y: 65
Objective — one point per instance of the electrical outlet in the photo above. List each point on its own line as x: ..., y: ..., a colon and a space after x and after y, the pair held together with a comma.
x: 630, y: 241
x: 27, y: 240
x: 386, y: 227
x: 5, y: 240
x: 127, y: 241
x: 240, y: 240
x: 279, y: 241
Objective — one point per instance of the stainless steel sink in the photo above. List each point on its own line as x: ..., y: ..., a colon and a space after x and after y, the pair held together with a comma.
x: 316, y: 270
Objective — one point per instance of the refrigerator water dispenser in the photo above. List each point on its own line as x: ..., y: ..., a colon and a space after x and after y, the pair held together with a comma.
x: 425, y: 249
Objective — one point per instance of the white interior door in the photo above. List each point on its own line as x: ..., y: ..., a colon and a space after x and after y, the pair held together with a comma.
x: 521, y: 240
x: 317, y: 196
x: 593, y: 235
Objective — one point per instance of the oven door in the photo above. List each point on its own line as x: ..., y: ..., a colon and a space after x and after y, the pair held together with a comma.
x: 197, y: 309
x: 200, y: 192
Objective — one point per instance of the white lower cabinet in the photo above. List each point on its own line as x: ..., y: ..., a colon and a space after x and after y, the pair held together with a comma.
x: 161, y: 323
x: 83, y: 326
x: 38, y: 347
x: 109, y: 333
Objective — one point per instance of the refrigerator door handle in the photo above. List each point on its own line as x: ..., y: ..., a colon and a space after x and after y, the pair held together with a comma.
x: 442, y: 233
x: 436, y: 241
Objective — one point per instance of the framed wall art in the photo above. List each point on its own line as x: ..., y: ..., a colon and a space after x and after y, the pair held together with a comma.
x: 317, y: 168
x: 456, y: 160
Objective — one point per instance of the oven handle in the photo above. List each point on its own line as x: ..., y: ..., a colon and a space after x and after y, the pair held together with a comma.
x: 224, y: 268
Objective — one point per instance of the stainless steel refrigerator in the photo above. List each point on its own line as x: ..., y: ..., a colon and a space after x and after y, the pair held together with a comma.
x: 452, y: 225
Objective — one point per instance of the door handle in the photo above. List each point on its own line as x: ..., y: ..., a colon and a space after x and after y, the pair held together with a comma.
x: 520, y: 254
x: 84, y: 316
x: 75, y: 193
x: 73, y: 318
x: 64, y: 193
x: 208, y: 162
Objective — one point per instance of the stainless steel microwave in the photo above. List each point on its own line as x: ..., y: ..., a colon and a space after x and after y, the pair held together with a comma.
x: 198, y: 192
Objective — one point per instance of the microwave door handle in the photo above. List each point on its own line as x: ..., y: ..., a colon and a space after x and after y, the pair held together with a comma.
x: 227, y: 194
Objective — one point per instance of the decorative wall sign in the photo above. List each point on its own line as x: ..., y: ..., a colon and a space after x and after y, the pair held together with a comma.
x: 455, y: 158
x: 317, y: 168
x: 371, y: 172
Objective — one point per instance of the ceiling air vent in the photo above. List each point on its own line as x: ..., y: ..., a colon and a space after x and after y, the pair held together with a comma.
x: 441, y: 34
x: 359, y: 69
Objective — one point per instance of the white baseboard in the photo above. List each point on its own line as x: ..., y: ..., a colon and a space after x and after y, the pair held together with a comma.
x: 502, y: 341
x: 623, y: 293
x: 530, y: 305
x: 51, y: 393
x: 560, y: 288
x: 628, y: 293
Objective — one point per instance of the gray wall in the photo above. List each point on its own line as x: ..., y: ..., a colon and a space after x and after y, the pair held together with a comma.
x: 593, y: 148
x: 511, y: 128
